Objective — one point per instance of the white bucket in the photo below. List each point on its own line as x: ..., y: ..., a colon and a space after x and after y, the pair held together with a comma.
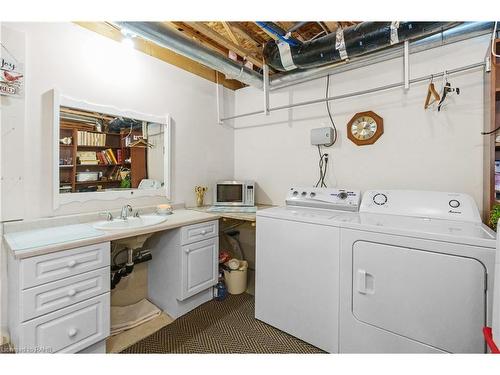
x: 236, y: 281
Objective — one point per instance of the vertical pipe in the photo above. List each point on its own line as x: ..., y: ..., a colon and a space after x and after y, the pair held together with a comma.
x: 219, y: 92
x: 265, y: 75
x: 407, y: 64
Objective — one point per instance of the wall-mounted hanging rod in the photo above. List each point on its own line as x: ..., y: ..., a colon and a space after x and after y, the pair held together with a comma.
x: 358, y: 93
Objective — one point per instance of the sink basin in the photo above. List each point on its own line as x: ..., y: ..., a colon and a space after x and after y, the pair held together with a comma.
x: 130, y: 223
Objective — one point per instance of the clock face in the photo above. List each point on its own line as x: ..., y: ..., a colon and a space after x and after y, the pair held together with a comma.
x: 364, y: 128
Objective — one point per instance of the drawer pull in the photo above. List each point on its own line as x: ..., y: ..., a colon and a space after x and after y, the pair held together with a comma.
x: 72, y: 332
x: 71, y: 292
x: 203, y: 232
x: 187, y: 251
x: 72, y: 263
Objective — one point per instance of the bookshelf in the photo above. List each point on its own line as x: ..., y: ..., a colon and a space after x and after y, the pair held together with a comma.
x: 90, y: 160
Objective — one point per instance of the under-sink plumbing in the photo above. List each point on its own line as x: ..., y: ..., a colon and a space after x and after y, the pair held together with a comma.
x: 129, y: 245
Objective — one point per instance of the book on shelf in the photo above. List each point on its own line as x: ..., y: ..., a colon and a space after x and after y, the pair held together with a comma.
x: 85, y: 138
x: 87, y: 157
x: 111, y: 155
x: 107, y: 157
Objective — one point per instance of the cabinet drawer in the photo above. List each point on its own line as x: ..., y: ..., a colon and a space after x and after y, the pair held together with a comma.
x: 49, y: 297
x: 199, y: 267
x: 50, y: 267
x: 68, y: 330
x: 198, y: 232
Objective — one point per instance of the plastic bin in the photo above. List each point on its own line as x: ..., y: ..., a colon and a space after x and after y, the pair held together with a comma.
x: 236, y: 281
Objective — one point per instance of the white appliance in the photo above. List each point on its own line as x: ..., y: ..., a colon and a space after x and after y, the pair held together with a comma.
x: 416, y: 274
x: 234, y: 193
x: 495, y: 321
x: 297, y: 263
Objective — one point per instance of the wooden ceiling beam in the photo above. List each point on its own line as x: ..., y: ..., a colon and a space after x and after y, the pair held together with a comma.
x: 209, y: 32
x: 182, y: 28
x: 229, y: 32
x: 249, y: 32
x: 244, y: 34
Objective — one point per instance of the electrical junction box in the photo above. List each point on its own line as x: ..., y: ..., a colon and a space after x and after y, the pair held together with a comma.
x: 321, y: 136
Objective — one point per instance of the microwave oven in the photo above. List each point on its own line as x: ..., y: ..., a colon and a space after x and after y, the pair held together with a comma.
x: 234, y: 193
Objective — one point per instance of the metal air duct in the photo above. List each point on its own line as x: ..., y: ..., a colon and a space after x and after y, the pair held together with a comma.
x: 461, y: 32
x: 347, y: 43
x: 163, y: 35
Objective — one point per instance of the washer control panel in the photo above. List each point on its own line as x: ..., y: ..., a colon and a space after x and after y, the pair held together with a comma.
x: 429, y: 204
x: 334, y: 199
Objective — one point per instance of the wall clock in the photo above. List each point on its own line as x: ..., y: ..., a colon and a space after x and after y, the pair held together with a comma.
x: 365, y: 128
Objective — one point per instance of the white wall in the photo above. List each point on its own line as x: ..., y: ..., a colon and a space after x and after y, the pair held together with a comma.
x: 418, y: 150
x: 85, y: 65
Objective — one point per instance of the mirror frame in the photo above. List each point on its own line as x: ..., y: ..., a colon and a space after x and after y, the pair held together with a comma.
x: 60, y: 199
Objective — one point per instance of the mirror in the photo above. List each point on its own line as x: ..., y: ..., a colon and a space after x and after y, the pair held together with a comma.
x: 107, y: 153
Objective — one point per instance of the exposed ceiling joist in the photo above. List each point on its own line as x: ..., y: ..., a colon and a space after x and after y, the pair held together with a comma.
x: 204, y: 29
x: 244, y: 33
x: 229, y: 32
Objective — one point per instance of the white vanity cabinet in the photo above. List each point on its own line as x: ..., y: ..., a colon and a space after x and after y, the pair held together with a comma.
x: 60, y: 302
x: 184, y: 267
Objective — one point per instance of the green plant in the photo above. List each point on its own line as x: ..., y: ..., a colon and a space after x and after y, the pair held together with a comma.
x: 126, y: 183
x: 494, y: 216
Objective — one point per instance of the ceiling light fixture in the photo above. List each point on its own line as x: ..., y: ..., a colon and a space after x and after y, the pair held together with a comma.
x: 128, y: 37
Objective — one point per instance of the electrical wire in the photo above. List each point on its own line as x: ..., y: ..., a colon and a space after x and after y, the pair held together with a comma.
x: 323, y: 157
x: 491, y: 132
x: 323, y: 165
x: 327, y: 94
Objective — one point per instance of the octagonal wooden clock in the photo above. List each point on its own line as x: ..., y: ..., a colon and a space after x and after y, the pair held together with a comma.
x: 365, y: 128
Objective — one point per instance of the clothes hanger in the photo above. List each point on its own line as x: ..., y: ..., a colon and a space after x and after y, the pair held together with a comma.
x: 431, y: 91
x: 447, y: 89
x: 141, y: 142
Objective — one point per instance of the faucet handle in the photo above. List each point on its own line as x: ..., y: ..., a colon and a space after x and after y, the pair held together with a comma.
x: 109, y: 215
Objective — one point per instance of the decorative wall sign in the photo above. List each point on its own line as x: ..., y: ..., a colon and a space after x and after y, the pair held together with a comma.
x: 11, y: 74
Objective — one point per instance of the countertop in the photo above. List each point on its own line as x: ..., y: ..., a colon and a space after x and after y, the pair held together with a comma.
x: 245, y: 216
x: 17, y: 241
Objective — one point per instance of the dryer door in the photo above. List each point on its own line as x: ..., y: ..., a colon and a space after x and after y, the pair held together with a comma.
x: 432, y: 298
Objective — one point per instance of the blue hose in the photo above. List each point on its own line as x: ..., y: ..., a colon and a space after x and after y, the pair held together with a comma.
x: 281, y: 37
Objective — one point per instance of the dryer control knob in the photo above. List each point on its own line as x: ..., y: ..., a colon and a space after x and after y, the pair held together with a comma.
x: 312, y: 195
x: 342, y: 195
x: 295, y: 193
x: 454, y: 203
x: 380, y: 199
x: 303, y: 194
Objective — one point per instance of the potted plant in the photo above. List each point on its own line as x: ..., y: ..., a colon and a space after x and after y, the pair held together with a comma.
x: 494, y: 216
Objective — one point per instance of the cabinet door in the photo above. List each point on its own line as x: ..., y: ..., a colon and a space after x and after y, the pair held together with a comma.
x: 198, y: 267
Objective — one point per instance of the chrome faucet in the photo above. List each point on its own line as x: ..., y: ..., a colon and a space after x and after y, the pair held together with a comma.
x: 125, y: 211
x: 109, y: 215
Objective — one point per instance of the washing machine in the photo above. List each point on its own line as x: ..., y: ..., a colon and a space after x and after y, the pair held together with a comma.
x: 416, y: 274
x: 297, y: 263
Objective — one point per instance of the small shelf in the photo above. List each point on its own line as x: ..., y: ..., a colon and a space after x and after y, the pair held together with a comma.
x: 65, y: 146
x: 98, y: 147
x: 66, y: 166
x: 99, y: 165
x: 97, y: 182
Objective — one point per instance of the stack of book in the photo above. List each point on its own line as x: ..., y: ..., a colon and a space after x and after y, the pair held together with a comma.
x: 107, y: 157
x: 90, y: 139
x: 87, y: 157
